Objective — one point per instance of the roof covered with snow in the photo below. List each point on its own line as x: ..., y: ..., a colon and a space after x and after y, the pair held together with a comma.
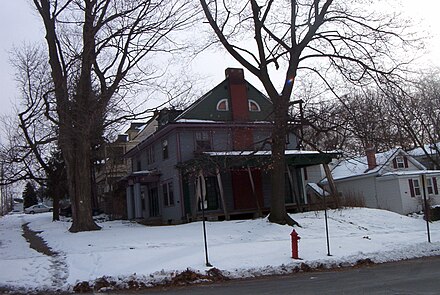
x: 358, y: 166
x: 427, y: 148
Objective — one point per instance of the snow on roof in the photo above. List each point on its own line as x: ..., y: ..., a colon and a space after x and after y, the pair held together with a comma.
x: 144, y: 172
x: 263, y: 153
x: 412, y: 172
x: 216, y: 122
x: 430, y: 148
x: 197, y: 121
x: 318, y: 189
x: 359, y: 166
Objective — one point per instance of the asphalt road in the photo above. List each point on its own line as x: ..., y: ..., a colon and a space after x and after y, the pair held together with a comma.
x: 420, y: 276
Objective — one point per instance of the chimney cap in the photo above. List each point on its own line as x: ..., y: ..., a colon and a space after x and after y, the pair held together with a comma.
x: 235, y: 75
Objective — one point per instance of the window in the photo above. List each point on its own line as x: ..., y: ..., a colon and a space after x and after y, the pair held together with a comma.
x: 150, y: 155
x: 165, y: 149
x: 414, y: 187
x: 203, y: 141
x: 400, y: 162
x: 429, y: 186
x: 253, y: 106
x: 168, y: 194
x: 223, y: 105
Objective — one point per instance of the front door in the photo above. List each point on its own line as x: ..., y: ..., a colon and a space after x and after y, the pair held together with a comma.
x: 153, y: 202
x: 244, y: 196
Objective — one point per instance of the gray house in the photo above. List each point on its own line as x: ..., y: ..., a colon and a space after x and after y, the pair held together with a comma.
x: 219, y: 147
x: 392, y: 180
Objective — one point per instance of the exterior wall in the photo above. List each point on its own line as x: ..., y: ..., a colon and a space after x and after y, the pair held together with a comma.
x: 391, y: 193
x: 409, y: 204
x: 359, y: 188
x: 415, y: 204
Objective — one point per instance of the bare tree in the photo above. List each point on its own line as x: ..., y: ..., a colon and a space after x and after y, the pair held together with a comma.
x: 95, y: 49
x: 323, y: 37
x: 416, y: 112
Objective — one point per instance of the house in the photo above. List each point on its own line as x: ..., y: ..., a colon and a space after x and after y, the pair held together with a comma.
x: 427, y: 155
x: 111, y: 167
x: 392, y: 180
x: 218, y: 147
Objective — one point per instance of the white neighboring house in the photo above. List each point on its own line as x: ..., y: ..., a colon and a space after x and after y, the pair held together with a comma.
x: 427, y: 155
x: 391, y: 180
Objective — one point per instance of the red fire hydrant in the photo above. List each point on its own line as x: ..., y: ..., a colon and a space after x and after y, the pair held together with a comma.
x: 295, y: 240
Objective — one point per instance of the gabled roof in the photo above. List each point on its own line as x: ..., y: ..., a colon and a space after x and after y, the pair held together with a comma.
x: 358, y: 166
x: 205, y: 108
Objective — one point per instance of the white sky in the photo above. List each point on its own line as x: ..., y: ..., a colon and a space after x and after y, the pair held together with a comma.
x: 19, y: 24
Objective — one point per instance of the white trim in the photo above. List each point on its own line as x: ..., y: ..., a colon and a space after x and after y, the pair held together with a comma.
x: 250, y: 102
x: 226, y: 104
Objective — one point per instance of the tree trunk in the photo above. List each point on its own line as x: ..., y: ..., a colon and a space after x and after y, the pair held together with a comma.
x: 80, y: 192
x: 56, y: 206
x: 278, y: 213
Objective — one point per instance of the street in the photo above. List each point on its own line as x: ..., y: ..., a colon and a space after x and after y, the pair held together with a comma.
x: 419, y: 276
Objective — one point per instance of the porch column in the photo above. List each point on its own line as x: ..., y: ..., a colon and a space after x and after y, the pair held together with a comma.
x: 137, y: 201
x: 331, y: 183
x: 251, y: 179
x: 222, y: 194
x: 130, y: 209
x: 295, y: 191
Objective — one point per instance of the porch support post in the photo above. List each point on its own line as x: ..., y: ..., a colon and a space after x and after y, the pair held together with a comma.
x: 222, y: 194
x: 260, y: 213
x: 137, y: 201
x: 331, y: 183
x: 292, y: 188
x: 130, y: 211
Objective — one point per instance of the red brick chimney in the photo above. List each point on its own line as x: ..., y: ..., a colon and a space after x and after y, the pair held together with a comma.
x: 242, y: 137
x: 370, y: 152
x: 238, y: 94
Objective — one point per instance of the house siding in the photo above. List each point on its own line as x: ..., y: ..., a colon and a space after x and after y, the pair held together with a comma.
x: 362, y: 187
x: 389, y: 192
x: 409, y: 204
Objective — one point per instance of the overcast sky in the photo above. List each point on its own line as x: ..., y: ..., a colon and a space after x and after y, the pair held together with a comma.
x: 19, y: 24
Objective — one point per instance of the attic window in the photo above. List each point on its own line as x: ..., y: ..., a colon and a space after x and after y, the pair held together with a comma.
x: 223, y: 105
x: 400, y: 162
x: 254, y: 106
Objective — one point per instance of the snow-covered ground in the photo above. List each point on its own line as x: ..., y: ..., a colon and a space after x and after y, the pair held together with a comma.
x: 124, y: 251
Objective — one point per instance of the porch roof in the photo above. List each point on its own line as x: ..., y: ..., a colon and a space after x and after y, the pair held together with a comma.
x: 212, y: 161
x: 293, y: 157
x: 143, y: 176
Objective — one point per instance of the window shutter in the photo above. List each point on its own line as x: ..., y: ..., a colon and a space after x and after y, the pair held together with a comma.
x: 434, y: 183
x: 411, y: 188
x: 394, y: 163
x: 405, y: 161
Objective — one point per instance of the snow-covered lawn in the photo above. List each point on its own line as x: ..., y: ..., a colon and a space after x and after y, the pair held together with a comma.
x: 124, y: 250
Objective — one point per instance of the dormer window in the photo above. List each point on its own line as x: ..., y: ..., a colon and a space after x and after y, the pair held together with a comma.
x: 253, y: 106
x: 400, y: 162
x: 223, y: 105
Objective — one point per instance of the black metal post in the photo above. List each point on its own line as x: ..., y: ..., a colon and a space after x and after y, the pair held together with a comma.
x: 202, y: 198
x: 426, y: 210
x: 326, y: 225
